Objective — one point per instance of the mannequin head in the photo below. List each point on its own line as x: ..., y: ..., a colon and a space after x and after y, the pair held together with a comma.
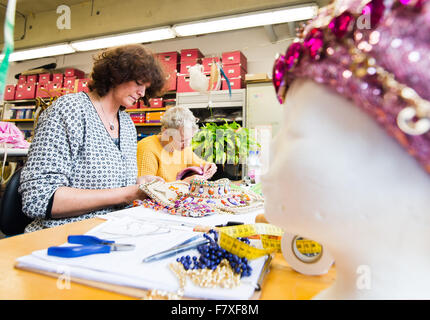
x: 337, y: 176
x: 348, y: 185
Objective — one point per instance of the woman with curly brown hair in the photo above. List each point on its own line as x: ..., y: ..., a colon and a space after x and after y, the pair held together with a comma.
x: 82, y: 161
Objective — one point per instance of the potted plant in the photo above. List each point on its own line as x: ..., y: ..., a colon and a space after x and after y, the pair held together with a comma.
x: 226, y: 145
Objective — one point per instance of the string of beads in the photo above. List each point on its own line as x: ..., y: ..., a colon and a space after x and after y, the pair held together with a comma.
x: 211, y: 256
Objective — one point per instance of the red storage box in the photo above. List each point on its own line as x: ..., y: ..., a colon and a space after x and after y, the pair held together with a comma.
x: 27, y: 92
x: 32, y: 79
x: 171, y: 81
x: 69, y: 82
x: 156, y: 103
x: 42, y: 90
x: 9, y: 92
x: 57, y: 77
x: 185, y: 65
x: 235, y: 83
x: 234, y: 57
x: 71, y: 72
x: 83, y: 85
x: 154, y: 117
x: 191, y: 54
x: 54, y: 88
x: 134, y: 106
x: 22, y: 79
x: 207, y: 63
x: 44, y: 77
x: 169, y: 60
x: 184, y: 83
x: 234, y: 71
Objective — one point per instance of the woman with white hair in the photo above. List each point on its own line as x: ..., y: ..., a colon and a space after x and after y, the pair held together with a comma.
x: 169, y: 153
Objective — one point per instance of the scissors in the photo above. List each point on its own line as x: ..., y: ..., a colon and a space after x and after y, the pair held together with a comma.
x: 88, y: 245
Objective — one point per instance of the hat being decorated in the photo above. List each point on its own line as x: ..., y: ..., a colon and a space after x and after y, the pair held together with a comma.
x: 199, y: 198
x: 375, y: 53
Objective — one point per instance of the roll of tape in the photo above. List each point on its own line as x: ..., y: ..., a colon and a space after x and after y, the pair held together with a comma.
x: 317, y: 262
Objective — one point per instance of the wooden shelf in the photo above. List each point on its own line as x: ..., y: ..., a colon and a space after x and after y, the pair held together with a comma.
x: 22, y: 101
x: 147, y: 124
x: 18, y: 120
x: 145, y: 109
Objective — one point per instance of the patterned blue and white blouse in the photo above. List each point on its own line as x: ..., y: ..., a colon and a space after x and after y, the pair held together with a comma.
x: 72, y: 148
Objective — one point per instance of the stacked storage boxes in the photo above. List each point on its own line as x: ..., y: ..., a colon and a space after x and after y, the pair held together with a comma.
x: 235, y: 67
x: 169, y: 61
x: 189, y: 58
x: 45, y: 85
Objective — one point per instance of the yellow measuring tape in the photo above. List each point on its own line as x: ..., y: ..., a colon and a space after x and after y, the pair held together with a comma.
x: 269, y: 235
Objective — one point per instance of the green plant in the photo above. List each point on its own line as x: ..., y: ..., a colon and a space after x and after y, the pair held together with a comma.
x: 226, y: 143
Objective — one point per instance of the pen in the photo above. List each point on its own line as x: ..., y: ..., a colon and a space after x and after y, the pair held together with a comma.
x: 263, y: 272
x: 173, y: 251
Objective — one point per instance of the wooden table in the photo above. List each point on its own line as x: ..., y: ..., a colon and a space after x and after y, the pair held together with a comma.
x: 279, y: 284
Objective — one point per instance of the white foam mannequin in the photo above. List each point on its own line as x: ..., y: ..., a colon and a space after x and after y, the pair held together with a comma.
x: 338, y: 178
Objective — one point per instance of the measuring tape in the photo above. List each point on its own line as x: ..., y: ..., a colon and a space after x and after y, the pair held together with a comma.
x: 269, y: 235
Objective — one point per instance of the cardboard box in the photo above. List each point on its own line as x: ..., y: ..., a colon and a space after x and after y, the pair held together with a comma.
x: 55, y: 89
x: 171, y: 83
x: 69, y: 82
x: 71, y: 72
x: 191, y: 54
x: 156, y: 103
x: 256, y: 77
x: 235, y: 83
x: 207, y: 63
x: 234, y: 71
x: 154, y: 117
x: 9, y: 92
x: 83, y: 85
x: 57, y: 77
x: 184, y: 83
x: 45, y: 77
x: 32, y: 78
x: 42, y: 90
x: 234, y: 57
x: 169, y: 60
x: 27, y: 92
x: 22, y: 79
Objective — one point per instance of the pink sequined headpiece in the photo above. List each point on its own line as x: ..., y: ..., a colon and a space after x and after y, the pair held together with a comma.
x: 376, y: 53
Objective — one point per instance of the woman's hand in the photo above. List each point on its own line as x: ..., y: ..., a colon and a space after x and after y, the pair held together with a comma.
x: 148, y: 178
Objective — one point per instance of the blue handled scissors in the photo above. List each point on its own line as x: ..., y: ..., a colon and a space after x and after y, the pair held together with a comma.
x: 88, y: 245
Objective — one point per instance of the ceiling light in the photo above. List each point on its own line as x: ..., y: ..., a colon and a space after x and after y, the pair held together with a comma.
x: 248, y: 20
x: 122, y: 39
x: 35, y: 53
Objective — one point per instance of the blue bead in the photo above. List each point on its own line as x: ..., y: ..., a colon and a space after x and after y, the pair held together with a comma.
x: 194, y: 258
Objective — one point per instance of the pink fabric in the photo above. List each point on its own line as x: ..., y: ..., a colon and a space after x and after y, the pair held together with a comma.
x: 187, y: 172
x: 10, y: 134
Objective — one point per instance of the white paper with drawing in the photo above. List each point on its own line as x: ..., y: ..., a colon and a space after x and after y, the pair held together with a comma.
x: 126, y: 268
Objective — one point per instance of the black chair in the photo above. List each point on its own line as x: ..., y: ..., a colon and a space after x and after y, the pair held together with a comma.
x: 12, y: 220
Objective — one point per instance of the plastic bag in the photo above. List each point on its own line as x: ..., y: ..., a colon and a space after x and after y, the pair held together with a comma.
x: 12, y: 136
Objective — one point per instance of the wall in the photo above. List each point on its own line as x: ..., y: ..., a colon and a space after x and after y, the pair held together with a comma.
x: 254, y: 43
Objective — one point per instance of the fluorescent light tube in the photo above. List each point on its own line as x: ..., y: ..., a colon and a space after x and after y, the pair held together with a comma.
x: 248, y: 20
x: 41, y: 52
x: 122, y: 39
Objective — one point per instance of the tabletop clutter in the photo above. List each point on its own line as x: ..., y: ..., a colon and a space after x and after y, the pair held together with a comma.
x: 196, y: 240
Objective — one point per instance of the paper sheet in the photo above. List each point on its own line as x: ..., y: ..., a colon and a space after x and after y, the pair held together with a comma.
x: 139, y: 226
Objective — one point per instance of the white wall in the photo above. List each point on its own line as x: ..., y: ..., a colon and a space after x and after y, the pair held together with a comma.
x: 254, y: 43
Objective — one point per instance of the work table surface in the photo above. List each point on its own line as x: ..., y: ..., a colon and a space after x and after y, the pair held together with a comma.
x: 281, y: 283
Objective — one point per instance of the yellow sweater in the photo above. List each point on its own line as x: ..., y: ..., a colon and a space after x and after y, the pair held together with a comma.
x: 153, y: 160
